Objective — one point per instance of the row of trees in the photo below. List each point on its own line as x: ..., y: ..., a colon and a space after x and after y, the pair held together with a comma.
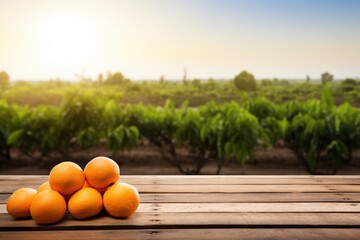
x: 317, y: 131
x: 245, y: 81
x: 4, y: 80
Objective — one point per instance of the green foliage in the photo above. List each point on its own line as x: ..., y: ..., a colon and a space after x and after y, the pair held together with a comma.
x: 262, y: 108
x: 245, y: 81
x: 349, y: 85
x: 10, y: 121
x: 350, y: 81
x: 81, y: 118
x: 322, y: 134
x: 188, y: 135
x: 196, y: 92
x: 284, y: 82
x: 122, y: 138
x: 326, y: 78
x: 37, y: 130
x: 242, y: 132
x: 266, y: 82
x: 4, y: 80
x: 116, y: 78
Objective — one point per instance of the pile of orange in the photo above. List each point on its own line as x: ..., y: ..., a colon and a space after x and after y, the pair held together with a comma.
x: 83, y: 194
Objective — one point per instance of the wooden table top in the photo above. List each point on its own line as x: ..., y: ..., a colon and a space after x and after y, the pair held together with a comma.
x: 210, y: 207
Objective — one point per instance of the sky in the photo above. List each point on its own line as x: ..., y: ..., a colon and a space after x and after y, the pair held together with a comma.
x: 47, y: 39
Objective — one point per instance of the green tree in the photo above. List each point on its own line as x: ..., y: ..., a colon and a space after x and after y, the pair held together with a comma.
x: 185, y: 78
x: 326, y: 77
x: 100, y: 78
x: 196, y: 83
x: 284, y: 82
x: 116, y: 78
x: 349, y: 81
x: 162, y: 79
x: 245, y: 81
x: 266, y: 82
x: 4, y: 80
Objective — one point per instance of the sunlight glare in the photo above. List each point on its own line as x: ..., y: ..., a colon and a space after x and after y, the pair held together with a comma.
x: 65, y: 40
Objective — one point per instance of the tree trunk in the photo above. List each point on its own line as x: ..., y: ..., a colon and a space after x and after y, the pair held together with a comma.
x: 220, y: 165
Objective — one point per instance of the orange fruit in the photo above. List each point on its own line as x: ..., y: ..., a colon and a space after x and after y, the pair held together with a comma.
x: 121, y: 200
x: 101, y: 172
x: 100, y: 190
x: 44, y: 186
x: 66, y: 178
x: 48, y: 207
x: 20, y: 201
x: 85, y: 203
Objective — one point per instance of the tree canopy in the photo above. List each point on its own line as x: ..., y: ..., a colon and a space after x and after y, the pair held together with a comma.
x: 245, y: 81
x: 326, y: 77
x: 4, y: 79
x: 116, y: 78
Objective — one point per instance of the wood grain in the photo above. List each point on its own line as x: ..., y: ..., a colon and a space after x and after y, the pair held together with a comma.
x: 238, y: 197
x: 203, y: 180
x: 142, y: 220
x: 147, y: 188
x: 247, y: 197
x: 192, y: 234
x: 210, y: 207
x: 250, y: 207
x: 243, y: 207
x: 246, y: 188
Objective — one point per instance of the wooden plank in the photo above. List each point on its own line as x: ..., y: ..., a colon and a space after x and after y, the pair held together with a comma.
x: 238, y: 197
x: 212, y: 180
x: 191, y: 207
x: 9, y: 183
x: 246, y: 188
x: 141, y: 220
x: 201, y: 220
x: 3, y: 208
x: 244, y: 181
x: 102, y: 221
x: 250, y: 207
x: 247, y: 197
x: 191, y: 234
x: 243, y: 207
x: 224, y: 188
x: 223, y: 180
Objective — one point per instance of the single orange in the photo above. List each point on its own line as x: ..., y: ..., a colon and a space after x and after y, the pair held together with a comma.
x: 48, y: 207
x: 121, y: 200
x: 100, y: 190
x: 66, y: 178
x: 85, y: 203
x: 44, y: 186
x: 20, y: 201
x: 101, y: 172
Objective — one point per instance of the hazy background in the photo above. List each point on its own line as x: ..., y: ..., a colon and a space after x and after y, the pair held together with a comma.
x: 43, y: 39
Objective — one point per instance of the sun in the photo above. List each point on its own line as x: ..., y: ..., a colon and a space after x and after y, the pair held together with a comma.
x: 65, y: 40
